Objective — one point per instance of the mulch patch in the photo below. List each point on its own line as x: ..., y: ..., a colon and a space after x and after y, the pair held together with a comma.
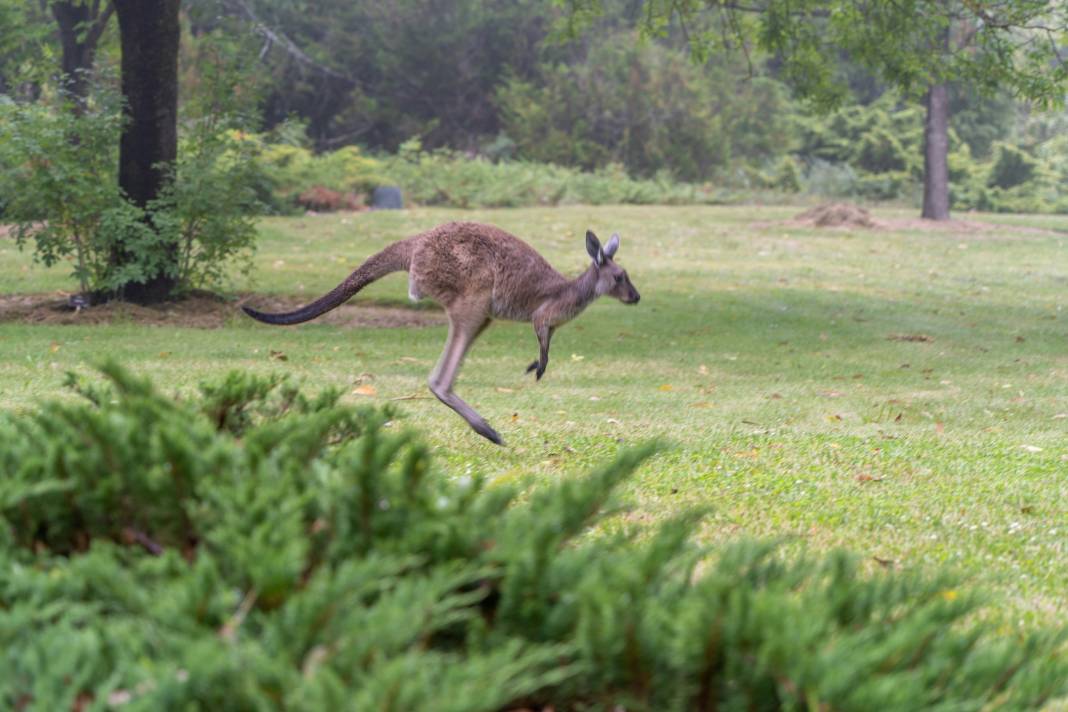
x: 204, y: 311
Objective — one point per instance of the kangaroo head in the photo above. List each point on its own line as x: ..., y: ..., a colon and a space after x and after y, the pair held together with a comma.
x: 611, y: 278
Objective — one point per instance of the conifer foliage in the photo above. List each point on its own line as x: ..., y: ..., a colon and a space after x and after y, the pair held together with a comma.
x: 256, y: 549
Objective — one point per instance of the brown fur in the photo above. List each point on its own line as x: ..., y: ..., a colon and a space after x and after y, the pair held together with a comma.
x: 480, y: 273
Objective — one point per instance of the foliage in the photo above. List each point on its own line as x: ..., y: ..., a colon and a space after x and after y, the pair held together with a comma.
x: 254, y: 548
x: 645, y: 106
x: 60, y: 187
x: 62, y: 195
x: 986, y: 44
x: 283, y: 171
x: 445, y: 177
x: 381, y: 73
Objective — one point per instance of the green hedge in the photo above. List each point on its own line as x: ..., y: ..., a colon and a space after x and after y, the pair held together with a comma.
x: 252, y: 548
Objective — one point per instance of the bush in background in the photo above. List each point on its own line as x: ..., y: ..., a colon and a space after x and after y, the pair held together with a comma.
x: 255, y: 548
x: 448, y: 178
x: 647, y: 107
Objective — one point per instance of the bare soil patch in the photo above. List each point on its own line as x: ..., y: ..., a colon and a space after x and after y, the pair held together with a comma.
x: 204, y: 311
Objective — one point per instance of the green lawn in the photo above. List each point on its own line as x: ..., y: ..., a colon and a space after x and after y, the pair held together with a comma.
x: 760, y: 352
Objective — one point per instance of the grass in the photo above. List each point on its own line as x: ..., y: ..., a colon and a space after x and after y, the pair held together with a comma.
x: 761, y: 352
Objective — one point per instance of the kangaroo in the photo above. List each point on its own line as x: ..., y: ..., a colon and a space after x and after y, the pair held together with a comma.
x: 479, y: 273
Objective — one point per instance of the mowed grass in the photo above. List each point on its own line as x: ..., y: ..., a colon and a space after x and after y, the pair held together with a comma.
x: 772, y: 359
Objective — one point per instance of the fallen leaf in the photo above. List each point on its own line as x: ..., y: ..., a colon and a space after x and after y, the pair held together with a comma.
x: 917, y: 338
x: 865, y: 477
x: 164, y: 354
x: 595, y: 398
x: 702, y: 369
x: 576, y: 357
x: 775, y: 396
x: 502, y: 389
x: 666, y: 387
x: 277, y: 355
x: 53, y: 347
x: 1031, y: 448
x: 365, y: 390
x: 834, y: 417
x: 939, y: 428
x: 831, y: 394
x: 1020, y: 339
x: 515, y: 417
x: 613, y: 421
x: 1060, y: 416
x: 885, y: 563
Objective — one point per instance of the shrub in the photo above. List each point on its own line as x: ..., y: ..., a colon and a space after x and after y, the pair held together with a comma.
x: 285, y: 171
x: 63, y: 197
x: 648, y: 107
x: 1012, y: 167
x: 254, y: 548
x: 444, y: 177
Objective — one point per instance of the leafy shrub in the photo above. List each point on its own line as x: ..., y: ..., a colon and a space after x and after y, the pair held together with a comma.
x: 445, y: 177
x: 1011, y: 167
x: 63, y: 197
x: 645, y: 106
x: 254, y: 548
x: 285, y: 171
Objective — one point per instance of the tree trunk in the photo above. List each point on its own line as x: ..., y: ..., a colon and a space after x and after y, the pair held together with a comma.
x: 149, y: 33
x: 936, y: 154
x: 80, y: 26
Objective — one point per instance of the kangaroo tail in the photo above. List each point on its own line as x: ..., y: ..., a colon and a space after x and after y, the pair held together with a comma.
x: 395, y: 258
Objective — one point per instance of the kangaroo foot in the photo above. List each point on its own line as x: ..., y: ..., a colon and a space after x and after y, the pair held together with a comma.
x: 487, y: 432
x: 540, y: 368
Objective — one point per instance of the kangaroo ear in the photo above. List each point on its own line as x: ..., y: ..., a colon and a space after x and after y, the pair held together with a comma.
x: 612, y: 246
x: 593, y: 248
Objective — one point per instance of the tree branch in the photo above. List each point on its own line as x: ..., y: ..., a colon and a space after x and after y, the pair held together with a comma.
x: 273, y: 37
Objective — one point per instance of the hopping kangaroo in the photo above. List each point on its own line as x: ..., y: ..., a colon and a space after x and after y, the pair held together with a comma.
x: 480, y: 273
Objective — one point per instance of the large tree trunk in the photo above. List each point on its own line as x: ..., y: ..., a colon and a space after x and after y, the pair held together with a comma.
x: 149, y: 33
x: 80, y: 26
x: 936, y: 154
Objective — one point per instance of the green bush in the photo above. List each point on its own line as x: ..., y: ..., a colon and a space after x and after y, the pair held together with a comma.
x: 1012, y: 167
x: 61, y: 192
x: 648, y: 107
x: 282, y: 171
x: 444, y: 177
x: 251, y: 548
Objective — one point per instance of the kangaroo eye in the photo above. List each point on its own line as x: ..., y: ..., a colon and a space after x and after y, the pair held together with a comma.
x: 619, y: 278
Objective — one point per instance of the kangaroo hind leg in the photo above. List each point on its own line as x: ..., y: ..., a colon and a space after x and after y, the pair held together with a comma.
x: 464, y: 328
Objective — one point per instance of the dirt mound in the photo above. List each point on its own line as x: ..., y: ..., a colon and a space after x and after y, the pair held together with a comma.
x: 837, y: 215
x: 203, y: 311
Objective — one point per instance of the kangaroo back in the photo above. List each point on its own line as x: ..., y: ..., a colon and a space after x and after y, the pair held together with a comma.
x: 395, y: 258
